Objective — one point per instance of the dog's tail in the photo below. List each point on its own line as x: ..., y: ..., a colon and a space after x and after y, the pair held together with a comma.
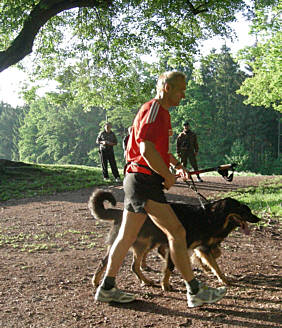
x: 98, y: 210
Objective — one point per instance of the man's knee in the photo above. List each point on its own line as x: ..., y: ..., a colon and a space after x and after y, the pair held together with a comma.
x: 127, y: 238
x: 178, y: 233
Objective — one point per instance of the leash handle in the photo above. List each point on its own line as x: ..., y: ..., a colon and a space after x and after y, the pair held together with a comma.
x: 225, y: 166
x: 221, y: 169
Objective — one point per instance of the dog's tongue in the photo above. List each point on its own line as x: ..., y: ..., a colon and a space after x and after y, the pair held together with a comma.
x: 245, y: 229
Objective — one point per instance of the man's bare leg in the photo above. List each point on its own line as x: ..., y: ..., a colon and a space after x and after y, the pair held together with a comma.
x: 107, y: 292
x: 164, y: 217
x: 131, y: 224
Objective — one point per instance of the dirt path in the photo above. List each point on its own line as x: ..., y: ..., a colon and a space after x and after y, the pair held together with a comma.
x: 50, y: 247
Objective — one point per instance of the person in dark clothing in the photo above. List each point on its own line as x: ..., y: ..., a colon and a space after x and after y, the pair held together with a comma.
x: 107, y: 140
x: 125, y: 140
x: 187, y: 148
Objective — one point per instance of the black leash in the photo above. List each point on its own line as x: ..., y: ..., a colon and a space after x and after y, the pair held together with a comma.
x: 200, y: 196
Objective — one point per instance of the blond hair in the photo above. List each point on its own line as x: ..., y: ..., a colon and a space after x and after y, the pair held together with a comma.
x: 168, y: 78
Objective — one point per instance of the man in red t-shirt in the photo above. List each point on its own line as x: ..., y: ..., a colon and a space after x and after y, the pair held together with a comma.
x: 147, y: 174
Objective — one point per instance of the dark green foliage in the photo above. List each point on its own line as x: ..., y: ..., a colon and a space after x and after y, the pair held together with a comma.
x: 59, y: 128
x: 59, y: 134
x: 221, y: 120
x: 10, y: 121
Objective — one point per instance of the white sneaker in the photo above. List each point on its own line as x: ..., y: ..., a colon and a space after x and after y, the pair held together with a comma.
x: 205, y: 295
x: 117, y: 179
x: 113, y: 295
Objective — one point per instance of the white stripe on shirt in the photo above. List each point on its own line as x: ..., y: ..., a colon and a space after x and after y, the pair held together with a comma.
x: 153, y: 112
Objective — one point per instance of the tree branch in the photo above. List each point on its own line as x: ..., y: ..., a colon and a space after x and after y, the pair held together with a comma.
x: 39, y: 16
x: 199, y: 9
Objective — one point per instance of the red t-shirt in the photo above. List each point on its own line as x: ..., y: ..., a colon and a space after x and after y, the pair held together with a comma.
x: 152, y: 123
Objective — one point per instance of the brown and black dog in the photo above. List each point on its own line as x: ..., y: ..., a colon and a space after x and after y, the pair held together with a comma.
x: 206, y: 229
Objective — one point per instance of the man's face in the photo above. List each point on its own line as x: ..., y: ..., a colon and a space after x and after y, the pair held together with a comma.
x: 176, y: 92
x: 186, y: 127
x: 108, y: 127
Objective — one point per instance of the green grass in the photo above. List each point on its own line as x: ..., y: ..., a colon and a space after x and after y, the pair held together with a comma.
x: 264, y: 200
x: 28, y: 180
x: 43, y: 241
x: 35, y: 179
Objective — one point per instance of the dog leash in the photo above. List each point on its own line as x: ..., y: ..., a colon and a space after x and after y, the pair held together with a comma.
x: 221, y: 169
x: 200, y: 196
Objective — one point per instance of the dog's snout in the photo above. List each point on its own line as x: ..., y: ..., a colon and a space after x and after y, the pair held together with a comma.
x: 253, y: 219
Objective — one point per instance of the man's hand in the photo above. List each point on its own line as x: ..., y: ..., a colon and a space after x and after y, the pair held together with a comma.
x: 107, y: 143
x: 182, y: 173
x: 169, y: 180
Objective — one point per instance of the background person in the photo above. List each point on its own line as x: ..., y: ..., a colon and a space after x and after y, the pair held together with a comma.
x: 147, y: 173
x: 107, y: 140
x: 187, y: 148
x: 125, y: 140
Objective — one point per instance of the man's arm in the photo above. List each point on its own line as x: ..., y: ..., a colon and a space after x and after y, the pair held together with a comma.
x: 173, y: 161
x: 178, y: 142
x: 156, y: 163
x: 180, y: 169
x: 196, y: 146
x: 98, y: 140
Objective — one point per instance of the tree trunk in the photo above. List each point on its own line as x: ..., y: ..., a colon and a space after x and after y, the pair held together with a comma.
x: 39, y: 16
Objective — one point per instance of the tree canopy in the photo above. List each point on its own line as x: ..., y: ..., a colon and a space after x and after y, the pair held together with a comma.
x: 56, y: 128
x: 101, y: 42
x: 107, y: 31
x: 263, y: 86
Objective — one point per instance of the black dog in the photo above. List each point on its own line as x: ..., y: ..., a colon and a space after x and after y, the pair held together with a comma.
x: 206, y: 229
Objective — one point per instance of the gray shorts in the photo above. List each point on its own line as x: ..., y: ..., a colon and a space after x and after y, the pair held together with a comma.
x: 139, y: 187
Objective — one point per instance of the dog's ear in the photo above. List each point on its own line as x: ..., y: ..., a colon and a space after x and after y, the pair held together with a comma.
x: 232, y: 202
x: 222, y: 204
x: 242, y: 209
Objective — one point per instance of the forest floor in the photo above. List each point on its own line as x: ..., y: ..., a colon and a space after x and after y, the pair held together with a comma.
x: 50, y: 247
